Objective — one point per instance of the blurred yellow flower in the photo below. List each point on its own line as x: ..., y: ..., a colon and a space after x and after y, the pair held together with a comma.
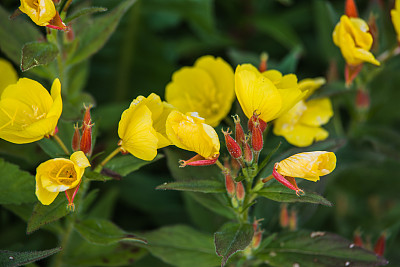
x: 395, y: 13
x: 8, y: 75
x: 301, y: 125
x: 190, y: 132
x: 352, y: 36
x: 269, y: 93
x: 307, y: 165
x: 58, y: 175
x: 40, y: 11
x: 206, y: 88
x: 28, y: 112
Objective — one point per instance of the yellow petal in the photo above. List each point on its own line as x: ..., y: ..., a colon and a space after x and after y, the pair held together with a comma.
x: 8, y: 74
x: 311, y: 85
x: 308, y: 165
x: 40, y: 11
x: 395, y: 14
x: 44, y: 196
x: 318, y: 112
x: 56, y: 108
x: 301, y: 136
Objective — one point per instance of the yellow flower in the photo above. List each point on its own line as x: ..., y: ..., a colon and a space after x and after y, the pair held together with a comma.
x: 58, y: 175
x: 8, y: 74
x: 307, y: 165
x: 206, y: 88
x: 40, y: 11
x: 395, y: 13
x: 136, y: 131
x: 301, y: 124
x: 28, y: 112
x: 269, y: 93
x: 352, y: 37
x: 190, y: 132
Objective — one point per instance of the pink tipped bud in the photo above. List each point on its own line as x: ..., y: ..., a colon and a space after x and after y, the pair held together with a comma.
x: 248, y: 153
x: 351, y: 72
x: 362, y: 99
x: 257, y: 141
x: 87, y: 119
x: 351, y: 9
x: 76, y: 139
x: 379, y: 248
x: 233, y: 147
x: 263, y: 62
x: 293, y: 220
x: 285, y: 181
x: 255, y: 119
x: 284, y: 216
x: 240, y: 191
x: 86, y: 140
x: 239, y: 133
x: 229, y: 184
x: 198, y: 161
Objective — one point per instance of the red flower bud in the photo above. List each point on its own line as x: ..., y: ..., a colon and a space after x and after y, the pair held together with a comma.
x: 86, y: 140
x: 284, y: 216
x: 293, y: 220
x: 233, y: 147
x: 248, y: 153
x: 379, y: 248
x: 263, y: 62
x: 357, y: 240
x: 351, y: 9
x: 197, y: 161
x: 257, y: 141
x: 240, y: 191
x: 87, y: 119
x: 255, y: 119
x: 256, y: 241
x: 229, y: 184
x: 239, y: 133
x: 362, y: 99
x: 76, y: 139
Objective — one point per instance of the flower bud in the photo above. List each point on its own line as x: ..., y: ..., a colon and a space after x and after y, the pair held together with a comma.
x: 357, y: 239
x: 257, y: 141
x: 255, y: 119
x: 76, y: 138
x: 248, y: 153
x: 233, y: 147
x: 379, y: 248
x: 362, y: 99
x: 86, y: 140
x: 351, y: 9
x: 293, y: 220
x: 284, y: 216
x: 240, y: 191
x: 256, y: 241
x: 239, y: 133
x: 87, y: 119
x: 263, y: 62
x: 229, y: 184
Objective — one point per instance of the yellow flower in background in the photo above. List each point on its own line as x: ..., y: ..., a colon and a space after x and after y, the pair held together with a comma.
x: 395, y: 13
x: 40, y: 11
x: 28, y: 112
x: 190, y: 132
x: 8, y: 75
x: 136, y: 131
x: 269, y: 94
x: 310, y: 85
x: 301, y: 125
x: 307, y: 165
x: 58, y: 175
x: 352, y: 37
x: 206, y: 88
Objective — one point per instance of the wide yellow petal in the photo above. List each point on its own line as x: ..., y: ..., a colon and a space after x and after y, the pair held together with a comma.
x: 319, y: 111
x: 301, y: 135
x: 56, y: 108
x: 8, y: 75
x: 311, y: 85
x: 40, y: 11
x: 44, y: 196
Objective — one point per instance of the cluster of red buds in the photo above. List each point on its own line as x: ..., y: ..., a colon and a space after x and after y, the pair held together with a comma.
x: 379, y: 247
x: 288, y: 220
x: 83, y: 142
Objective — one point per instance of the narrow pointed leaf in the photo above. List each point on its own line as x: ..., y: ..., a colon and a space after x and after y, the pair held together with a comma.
x: 317, y: 249
x: 280, y: 193
x: 203, y: 186
x: 126, y: 164
x: 104, y: 232
x: 16, y: 258
x: 232, y: 237
x: 36, y: 54
x: 83, y: 12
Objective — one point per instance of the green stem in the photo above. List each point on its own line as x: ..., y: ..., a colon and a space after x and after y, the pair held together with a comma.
x: 61, y: 144
x: 107, y: 159
x: 219, y: 164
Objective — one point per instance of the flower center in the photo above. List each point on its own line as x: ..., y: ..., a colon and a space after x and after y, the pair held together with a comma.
x: 65, y: 175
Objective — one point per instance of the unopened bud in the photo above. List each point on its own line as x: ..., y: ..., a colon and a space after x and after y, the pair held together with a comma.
x: 284, y: 216
x: 239, y: 133
x: 362, y: 99
x: 87, y: 119
x: 235, y: 203
x: 86, y: 140
x: 293, y: 220
x: 76, y: 138
x: 351, y: 9
x: 233, y: 147
x: 263, y: 62
x: 257, y: 141
x: 229, y: 184
x: 357, y: 240
x: 256, y: 120
x: 256, y: 241
x: 379, y: 248
x: 240, y: 191
x: 248, y: 153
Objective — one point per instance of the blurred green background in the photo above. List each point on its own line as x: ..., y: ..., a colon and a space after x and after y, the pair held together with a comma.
x: 157, y: 37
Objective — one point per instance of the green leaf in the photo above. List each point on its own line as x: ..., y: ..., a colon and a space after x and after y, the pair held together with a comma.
x: 232, y: 237
x: 317, y: 249
x: 104, y: 232
x: 43, y: 214
x: 83, y: 12
x: 36, y: 54
x: 14, y: 34
x: 203, y: 186
x: 215, y: 203
x: 182, y: 246
x: 14, y: 258
x: 280, y: 193
x: 126, y: 164
x: 268, y: 158
x: 94, y: 36
x: 16, y: 186
x: 95, y: 176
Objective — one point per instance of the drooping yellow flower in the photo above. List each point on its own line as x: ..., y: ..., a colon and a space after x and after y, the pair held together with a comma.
x: 269, y: 93
x: 395, y: 13
x: 190, y: 132
x: 206, y: 88
x: 136, y: 131
x: 301, y: 125
x: 352, y: 37
x: 28, y: 112
x: 307, y: 165
x: 40, y: 11
x: 58, y: 175
x: 8, y: 75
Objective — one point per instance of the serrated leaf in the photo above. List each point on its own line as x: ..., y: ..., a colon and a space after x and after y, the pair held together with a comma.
x: 83, y: 12
x: 36, y: 54
x: 182, y: 246
x: 280, y: 193
x: 203, y: 186
x: 231, y: 238
x: 317, y: 249
x: 126, y: 164
x: 104, y: 232
x: 43, y: 214
x: 16, y: 258
x: 16, y: 186
x: 94, y: 36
